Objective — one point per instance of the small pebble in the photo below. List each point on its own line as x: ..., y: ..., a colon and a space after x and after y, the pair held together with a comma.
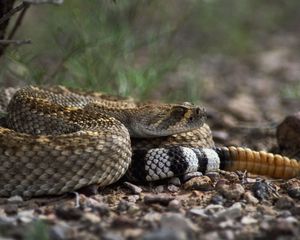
x: 163, y: 234
x: 217, y: 199
x: 67, y: 213
x: 231, y: 192
x: 261, y: 190
x: 233, y: 212
x: 102, y: 209
x: 11, y: 209
x: 248, y: 196
x: 26, y: 216
x: 160, y: 199
x: 160, y: 189
x: 231, y: 176
x: 92, y: 218
x: 174, y: 205
x: 174, y: 181
x: 61, y: 231
x: 293, y: 188
x: 15, y: 199
x: 134, y: 188
x: 133, y: 198
x: 173, y: 188
x: 296, y: 210
x: 246, y: 220
x: 178, y: 222
x: 199, y: 212
x: 214, y: 176
x: 123, y: 206
x: 123, y: 222
x: 284, y: 202
x: 199, y: 183
x: 186, y: 177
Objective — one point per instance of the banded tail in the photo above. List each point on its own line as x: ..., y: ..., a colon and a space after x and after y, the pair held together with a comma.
x: 160, y: 163
x: 261, y: 163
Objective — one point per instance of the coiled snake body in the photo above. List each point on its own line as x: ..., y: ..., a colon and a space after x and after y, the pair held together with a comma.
x: 54, y: 141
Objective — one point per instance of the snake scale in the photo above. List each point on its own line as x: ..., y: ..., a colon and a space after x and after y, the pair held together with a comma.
x: 54, y: 140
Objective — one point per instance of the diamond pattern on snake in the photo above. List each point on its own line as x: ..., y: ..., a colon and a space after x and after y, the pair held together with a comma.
x: 55, y: 140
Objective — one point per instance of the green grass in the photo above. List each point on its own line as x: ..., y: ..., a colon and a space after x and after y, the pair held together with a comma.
x: 38, y: 231
x: 130, y: 47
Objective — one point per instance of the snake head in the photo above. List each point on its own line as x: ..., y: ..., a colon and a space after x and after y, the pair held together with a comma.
x: 167, y: 119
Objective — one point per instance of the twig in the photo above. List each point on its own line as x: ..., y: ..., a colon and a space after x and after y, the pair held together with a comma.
x: 18, y: 22
x: 44, y: 1
x: 12, y: 12
x: 16, y: 42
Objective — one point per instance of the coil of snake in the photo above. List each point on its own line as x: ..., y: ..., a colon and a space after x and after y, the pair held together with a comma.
x: 53, y: 141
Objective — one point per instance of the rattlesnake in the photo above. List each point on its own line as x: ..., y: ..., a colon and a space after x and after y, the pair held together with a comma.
x: 54, y: 141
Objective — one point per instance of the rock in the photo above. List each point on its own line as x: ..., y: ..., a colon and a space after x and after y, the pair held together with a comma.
x: 211, y: 235
x: 232, y: 177
x: 160, y: 189
x: 186, y: 177
x: 246, y: 220
x: 287, y: 134
x: 92, y: 218
x: 212, y: 209
x: 198, y: 212
x: 231, y: 192
x: 160, y: 199
x: 11, y: 209
x: 123, y: 222
x: 174, y: 181
x: 102, y: 208
x: 199, y: 183
x: 61, y: 231
x: 244, y: 107
x: 134, y: 189
x: 163, y: 234
x: 248, y: 196
x: 133, y: 198
x: 233, y: 212
x: 123, y: 206
x: 214, y: 176
x: 15, y: 199
x: 26, y: 216
x: 284, y: 214
x: 177, y: 222
x: 174, y: 205
x: 293, y: 188
x: 112, y: 236
x: 284, y: 202
x: 261, y: 190
x: 296, y: 210
x: 152, y: 217
x: 172, y: 188
x: 217, y: 199
x: 68, y: 213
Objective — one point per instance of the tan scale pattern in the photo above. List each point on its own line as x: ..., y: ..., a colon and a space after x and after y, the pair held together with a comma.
x: 60, y: 141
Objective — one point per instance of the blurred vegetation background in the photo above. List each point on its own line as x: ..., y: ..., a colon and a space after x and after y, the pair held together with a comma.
x: 146, y: 48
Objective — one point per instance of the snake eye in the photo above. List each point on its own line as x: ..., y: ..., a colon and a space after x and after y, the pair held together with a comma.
x: 180, y: 109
